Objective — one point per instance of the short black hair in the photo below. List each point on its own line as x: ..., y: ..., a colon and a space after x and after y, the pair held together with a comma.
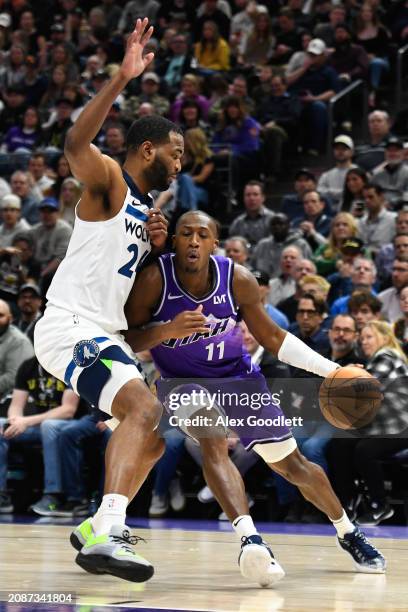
x: 154, y: 128
x: 214, y: 222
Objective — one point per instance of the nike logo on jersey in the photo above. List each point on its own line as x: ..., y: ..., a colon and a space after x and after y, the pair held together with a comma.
x: 173, y: 297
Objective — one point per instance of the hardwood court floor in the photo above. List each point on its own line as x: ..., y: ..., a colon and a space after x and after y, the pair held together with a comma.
x: 198, y: 570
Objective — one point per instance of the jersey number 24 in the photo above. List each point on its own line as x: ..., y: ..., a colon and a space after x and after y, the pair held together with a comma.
x: 131, y: 266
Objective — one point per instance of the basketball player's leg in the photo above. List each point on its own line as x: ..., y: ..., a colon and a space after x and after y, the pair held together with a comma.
x: 256, y: 560
x: 316, y: 488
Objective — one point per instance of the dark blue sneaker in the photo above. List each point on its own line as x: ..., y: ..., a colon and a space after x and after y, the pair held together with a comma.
x: 257, y: 562
x: 366, y: 557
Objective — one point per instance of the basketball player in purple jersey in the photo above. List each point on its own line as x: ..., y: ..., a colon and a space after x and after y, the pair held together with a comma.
x: 185, y: 308
x: 79, y: 338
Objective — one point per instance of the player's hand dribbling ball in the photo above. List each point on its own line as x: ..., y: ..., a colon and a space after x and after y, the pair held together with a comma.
x: 350, y: 397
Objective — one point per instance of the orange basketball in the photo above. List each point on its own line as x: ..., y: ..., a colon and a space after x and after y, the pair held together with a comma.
x: 350, y: 397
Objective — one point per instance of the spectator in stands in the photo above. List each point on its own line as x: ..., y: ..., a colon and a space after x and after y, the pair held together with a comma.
x: 363, y: 275
x: 371, y: 34
x: 303, y: 268
x: 52, y: 407
x: 25, y: 246
x: 56, y: 133
x: 189, y: 89
x: 393, y: 175
x: 21, y: 184
x: 263, y: 90
x: 12, y: 114
x: 379, y: 128
x: 51, y: 237
x: 211, y: 51
x: 34, y: 82
x: 283, y: 285
x: 62, y: 171
x: 298, y: 59
x: 343, y: 335
x: 54, y: 91
x: 327, y: 255
x: 38, y: 168
x: 267, y: 252
x: 177, y: 14
x: 237, y: 248
x: 311, y: 312
x: 12, y: 222
x: 72, y: 439
x: 191, y: 117
x: 258, y: 43
x: 61, y: 56
x: 34, y: 42
x: 264, y: 289
x: 254, y: 223
x: 326, y: 30
x: 390, y: 298
x: 177, y: 62
x: 137, y: 9
x: 331, y: 183
x: 24, y: 137
x: 210, y: 12
x: 316, y: 83
x: 353, y: 197
x: 361, y: 457
x: 198, y: 163
x: 115, y: 143
x: 363, y: 306
x: 377, y: 226
x: 401, y: 324
x: 15, y: 348
x: 13, y: 68
x: 350, y: 61
x: 29, y: 304
x: 399, y: 246
x: 70, y: 194
x: 292, y: 203
x: 112, y: 14
x: 239, y: 89
x: 314, y: 223
x: 149, y: 93
x: 279, y: 116
x: 237, y: 138
x: 315, y: 285
x: 288, y: 37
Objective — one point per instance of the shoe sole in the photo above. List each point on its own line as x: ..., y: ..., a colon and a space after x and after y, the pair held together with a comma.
x: 75, y: 541
x: 360, y: 568
x: 101, y: 564
x: 374, y: 523
x: 256, y: 563
x: 45, y: 512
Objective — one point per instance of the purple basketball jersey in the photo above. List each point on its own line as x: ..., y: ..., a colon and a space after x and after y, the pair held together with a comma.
x: 219, y: 352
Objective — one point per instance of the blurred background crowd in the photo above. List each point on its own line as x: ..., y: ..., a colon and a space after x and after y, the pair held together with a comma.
x: 295, y: 116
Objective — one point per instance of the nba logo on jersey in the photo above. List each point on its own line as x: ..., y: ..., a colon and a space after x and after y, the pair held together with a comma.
x: 86, y: 352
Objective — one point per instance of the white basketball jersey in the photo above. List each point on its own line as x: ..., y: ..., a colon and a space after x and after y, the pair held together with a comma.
x: 95, y: 277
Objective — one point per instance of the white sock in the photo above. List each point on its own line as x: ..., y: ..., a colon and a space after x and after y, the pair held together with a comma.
x: 244, y: 526
x: 343, y: 525
x: 112, y: 511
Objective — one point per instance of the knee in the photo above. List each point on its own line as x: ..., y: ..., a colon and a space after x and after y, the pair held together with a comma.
x: 214, y: 450
x: 140, y: 410
x: 294, y: 468
x: 51, y: 428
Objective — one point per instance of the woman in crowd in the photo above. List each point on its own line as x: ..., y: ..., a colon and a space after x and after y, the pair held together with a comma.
x: 212, y: 51
x: 189, y: 89
x: 257, y: 47
x: 55, y: 88
x: 360, y: 455
x: 24, y: 137
x: 373, y: 36
x: 63, y: 171
x: 353, y: 199
x: 198, y: 163
x: 191, y: 116
x: 326, y: 256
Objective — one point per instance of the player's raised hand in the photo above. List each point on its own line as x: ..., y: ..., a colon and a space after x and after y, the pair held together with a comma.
x: 188, y: 322
x: 134, y: 62
x: 157, y: 228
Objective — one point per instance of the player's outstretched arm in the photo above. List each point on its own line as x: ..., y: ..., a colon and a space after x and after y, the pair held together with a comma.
x: 86, y: 161
x: 286, y: 346
x: 143, y: 300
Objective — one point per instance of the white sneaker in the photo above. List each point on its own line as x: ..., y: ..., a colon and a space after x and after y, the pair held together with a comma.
x: 205, y: 496
x: 257, y: 562
x: 177, y: 497
x: 158, y: 506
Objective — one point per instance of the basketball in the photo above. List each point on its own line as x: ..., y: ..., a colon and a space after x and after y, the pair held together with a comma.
x: 350, y: 398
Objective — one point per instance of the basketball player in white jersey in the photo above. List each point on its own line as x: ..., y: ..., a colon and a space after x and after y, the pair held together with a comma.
x: 78, y: 340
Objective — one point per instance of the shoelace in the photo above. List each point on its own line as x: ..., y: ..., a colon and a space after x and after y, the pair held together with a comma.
x: 126, y: 539
x: 367, y: 548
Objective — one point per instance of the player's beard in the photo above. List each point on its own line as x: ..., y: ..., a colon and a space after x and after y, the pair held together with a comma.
x: 157, y: 175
